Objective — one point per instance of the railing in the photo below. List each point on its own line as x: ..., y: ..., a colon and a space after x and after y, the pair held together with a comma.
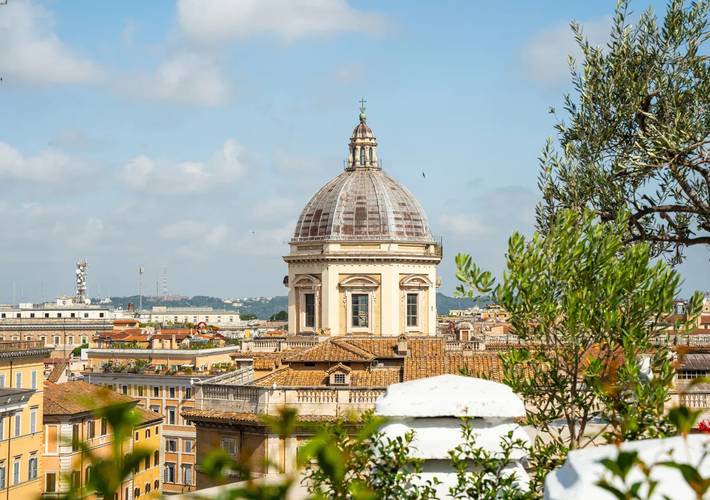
x: 20, y: 345
x: 267, y: 400
x: 241, y: 376
x: 695, y: 399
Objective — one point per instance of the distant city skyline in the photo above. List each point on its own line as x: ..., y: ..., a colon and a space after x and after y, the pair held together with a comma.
x: 173, y: 137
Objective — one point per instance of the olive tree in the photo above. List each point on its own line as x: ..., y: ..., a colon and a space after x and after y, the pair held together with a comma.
x: 636, y: 132
x: 587, y: 308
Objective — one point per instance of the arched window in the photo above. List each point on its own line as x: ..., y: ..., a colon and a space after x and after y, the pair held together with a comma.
x: 156, y: 484
x: 147, y: 433
x: 369, y: 154
x: 156, y: 458
x: 362, y: 156
x: 147, y: 487
x: 136, y: 493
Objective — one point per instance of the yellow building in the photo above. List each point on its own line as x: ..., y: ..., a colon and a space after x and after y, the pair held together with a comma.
x: 70, y: 418
x: 21, y: 403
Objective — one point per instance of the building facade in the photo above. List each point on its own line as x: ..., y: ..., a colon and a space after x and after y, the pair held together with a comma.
x: 362, y: 259
x: 21, y: 406
x: 70, y: 418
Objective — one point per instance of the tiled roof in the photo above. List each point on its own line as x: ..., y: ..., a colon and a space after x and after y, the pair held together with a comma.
x: 290, y: 377
x: 478, y: 364
x: 226, y: 416
x: 695, y: 361
x: 333, y: 350
x: 57, y: 371
x: 71, y: 398
x: 147, y: 416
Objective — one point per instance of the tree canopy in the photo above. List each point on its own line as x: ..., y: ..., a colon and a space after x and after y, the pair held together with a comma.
x: 636, y: 136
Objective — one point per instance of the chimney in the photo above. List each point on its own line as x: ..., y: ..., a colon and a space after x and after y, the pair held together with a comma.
x: 402, y: 349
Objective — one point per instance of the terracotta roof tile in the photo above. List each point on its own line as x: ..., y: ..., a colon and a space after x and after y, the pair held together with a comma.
x: 333, y: 350
x: 71, y: 398
x: 57, y: 371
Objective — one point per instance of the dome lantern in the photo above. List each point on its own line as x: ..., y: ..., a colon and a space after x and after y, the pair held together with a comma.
x: 363, y: 144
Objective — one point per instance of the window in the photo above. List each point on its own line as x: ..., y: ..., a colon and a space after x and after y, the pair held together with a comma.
x: 146, y: 462
x: 172, y: 418
x: 33, y: 420
x: 141, y: 390
x: 2, y: 474
x: 156, y: 459
x: 19, y: 315
x: 229, y: 445
x: 91, y: 429
x: 18, y: 424
x: 32, y: 315
x: 101, y: 315
x: 412, y: 309
x: 56, y: 340
x: 136, y: 437
x: 170, y: 445
x: 84, y: 340
x: 32, y: 468
x: 75, y: 437
x: 188, y: 392
x: 310, y: 310
x: 16, y: 471
x: 156, y: 484
x: 172, y: 392
x: 156, y: 391
x: 76, y: 478
x: 87, y: 475
x: 2, y: 381
x: 187, y: 474
x: 2, y: 427
x: 147, y: 433
x: 18, y: 380
x: 155, y: 408
x: 339, y: 378
x: 362, y: 156
x: 187, y: 445
x: 50, y: 482
x: 104, y: 424
x: 73, y: 315
x: 136, y: 492
x: 59, y: 315
x: 157, y: 430
x: 360, y: 310
x: 147, y: 488
x: 34, y: 380
x: 124, y: 390
x: 86, y: 315
x: 46, y: 315
x: 169, y: 473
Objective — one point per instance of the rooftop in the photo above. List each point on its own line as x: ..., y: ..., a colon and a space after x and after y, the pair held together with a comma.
x: 73, y: 398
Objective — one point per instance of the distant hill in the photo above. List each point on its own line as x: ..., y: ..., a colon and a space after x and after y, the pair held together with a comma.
x: 264, y: 307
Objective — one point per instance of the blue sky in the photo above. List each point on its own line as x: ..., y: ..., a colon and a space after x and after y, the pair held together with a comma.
x: 188, y: 135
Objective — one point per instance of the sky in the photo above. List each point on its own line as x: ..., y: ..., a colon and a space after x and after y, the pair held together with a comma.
x: 185, y: 136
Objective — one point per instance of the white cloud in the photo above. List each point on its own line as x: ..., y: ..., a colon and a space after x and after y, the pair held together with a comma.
x: 221, y: 20
x: 545, y: 56
x: 47, y: 166
x: 275, y: 208
x: 462, y: 225
x: 225, y: 167
x: 198, y: 233
x: 33, y: 54
x: 184, y: 77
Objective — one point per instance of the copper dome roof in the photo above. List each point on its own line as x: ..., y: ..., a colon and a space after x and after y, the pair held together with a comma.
x: 363, y: 203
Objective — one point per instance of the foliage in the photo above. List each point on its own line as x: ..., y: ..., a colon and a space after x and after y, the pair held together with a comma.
x: 77, y: 350
x: 279, y: 316
x: 247, y: 316
x: 638, y: 130
x: 587, y: 307
x: 342, y: 464
x: 483, y: 474
x: 108, y: 472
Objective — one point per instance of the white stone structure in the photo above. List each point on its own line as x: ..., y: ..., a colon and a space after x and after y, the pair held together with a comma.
x: 577, y: 477
x: 362, y: 258
x: 433, y: 408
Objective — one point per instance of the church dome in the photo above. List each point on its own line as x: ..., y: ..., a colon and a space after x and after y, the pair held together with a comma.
x: 363, y: 203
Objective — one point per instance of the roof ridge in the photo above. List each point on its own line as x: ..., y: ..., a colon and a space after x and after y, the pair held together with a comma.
x: 345, y: 344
